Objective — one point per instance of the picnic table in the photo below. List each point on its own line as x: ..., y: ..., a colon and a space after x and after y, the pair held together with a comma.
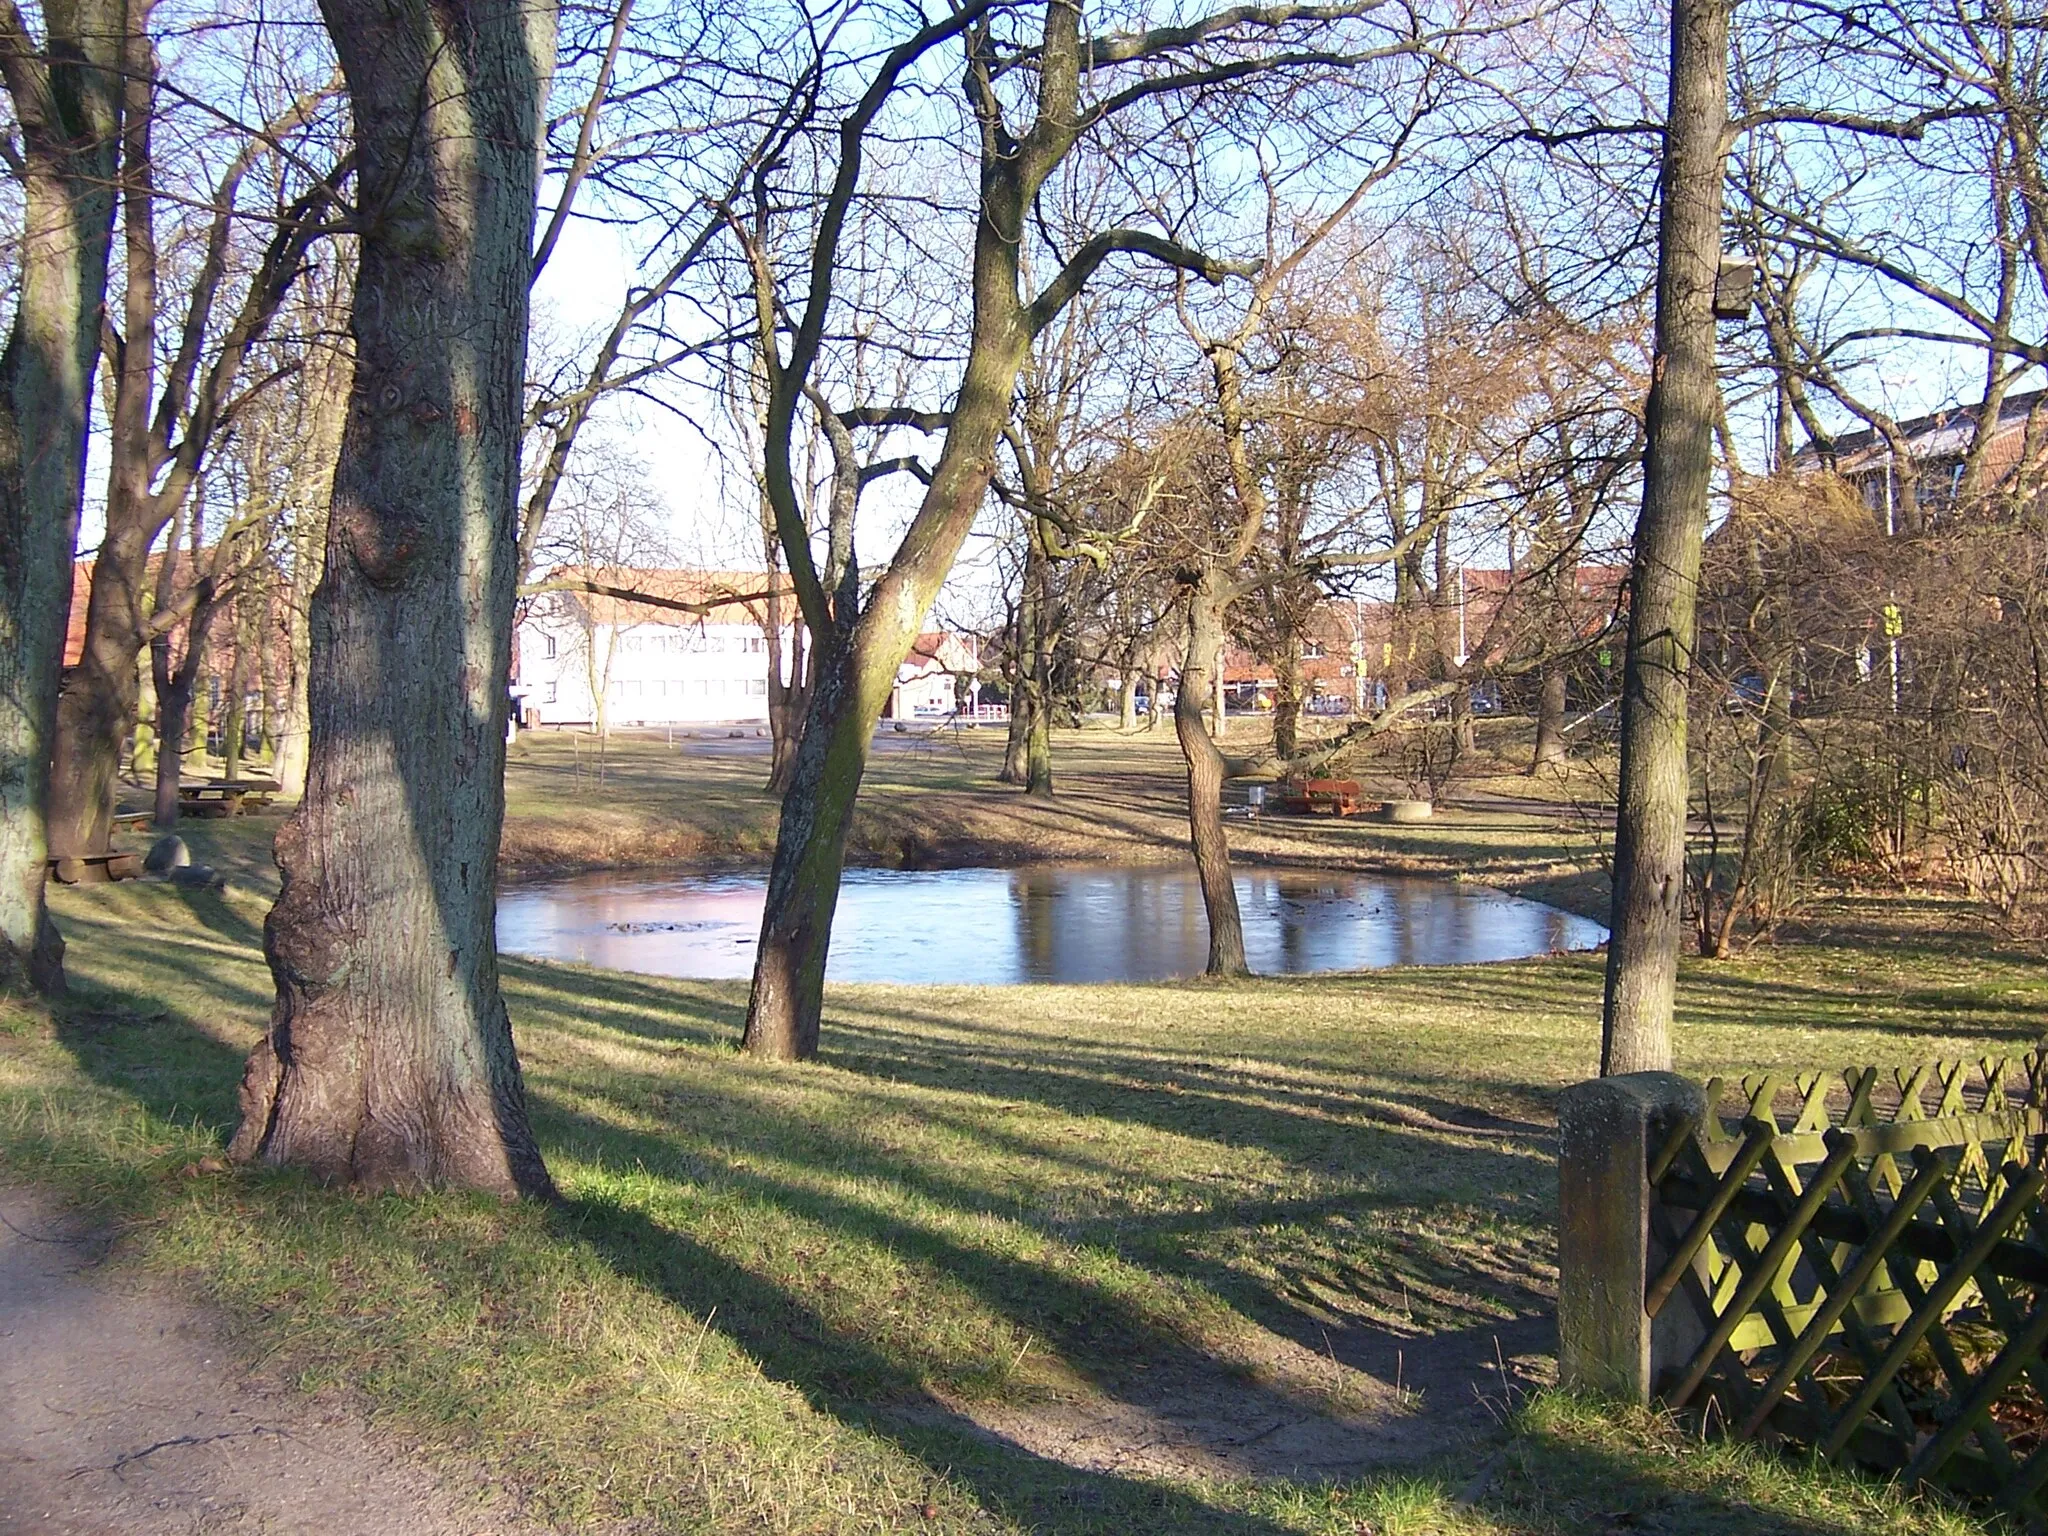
x: 1319, y: 797
x: 218, y: 798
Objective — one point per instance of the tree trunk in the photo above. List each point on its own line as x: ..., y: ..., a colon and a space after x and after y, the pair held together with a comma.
x: 390, y: 1061
x: 234, y: 730
x: 1025, y: 700
x: 1287, y: 698
x: 855, y: 670
x: 329, y: 373
x: 1017, y: 739
x: 174, y: 687
x: 96, y: 702
x: 66, y: 104
x: 1550, y: 707
x: 788, y: 705
x: 1038, y: 743
x: 789, y: 683
x: 174, y: 715
x: 1647, y: 921
x: 787, y: 1002
x: 1127, y: 702
x: 1205, y: 779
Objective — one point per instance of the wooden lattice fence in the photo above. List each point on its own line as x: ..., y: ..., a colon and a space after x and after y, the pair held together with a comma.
x: 1855, y: 1262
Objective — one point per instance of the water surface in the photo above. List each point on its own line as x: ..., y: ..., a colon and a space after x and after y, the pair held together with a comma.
x: 1059, y: 923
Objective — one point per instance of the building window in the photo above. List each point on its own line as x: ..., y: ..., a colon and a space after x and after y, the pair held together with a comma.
x: 758, y: 686
x: 1311, y: 650
x: 547, y: 695
x: 547, y: 646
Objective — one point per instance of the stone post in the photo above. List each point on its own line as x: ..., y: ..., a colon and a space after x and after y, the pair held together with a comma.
x: 1608, y: 1129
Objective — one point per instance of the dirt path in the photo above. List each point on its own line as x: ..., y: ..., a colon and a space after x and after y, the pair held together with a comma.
x: 120, y: 1412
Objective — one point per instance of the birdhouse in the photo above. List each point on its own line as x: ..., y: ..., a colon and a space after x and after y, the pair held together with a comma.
x: 1734, y: 289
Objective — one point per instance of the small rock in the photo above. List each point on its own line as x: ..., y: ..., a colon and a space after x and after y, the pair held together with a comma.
x: 167, y: 854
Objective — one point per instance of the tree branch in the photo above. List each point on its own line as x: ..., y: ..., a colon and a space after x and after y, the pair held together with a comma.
x: 1044, y: 309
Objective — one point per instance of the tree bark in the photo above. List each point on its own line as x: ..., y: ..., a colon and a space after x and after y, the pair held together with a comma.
x: 1206, y: 601
x: 1127, y: 701
x: 1024, y: 700
x: 66, y: 99
x: 329, y: 373
x: 1017, y: 738
x: 235, y: 728
x: 390, y: 1061
x: 1647, y: 920
x: 786, y: 1007
x: 1550, y: 708
x: 1038, y: 739
x: 789, y: 683
x: 1287, y: 696
x: 174, y: 688
x: 1038, y: 743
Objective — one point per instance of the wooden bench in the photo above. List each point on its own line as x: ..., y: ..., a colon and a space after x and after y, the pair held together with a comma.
x: 218, y: 798
x: 94, y: 868
x: 1319, y: 797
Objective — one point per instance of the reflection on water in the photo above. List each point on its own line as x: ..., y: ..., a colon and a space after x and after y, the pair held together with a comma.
x: 1045, y: 923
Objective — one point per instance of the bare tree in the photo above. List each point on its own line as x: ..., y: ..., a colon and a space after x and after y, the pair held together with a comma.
x: 860, y: 644
x: 160, y: 435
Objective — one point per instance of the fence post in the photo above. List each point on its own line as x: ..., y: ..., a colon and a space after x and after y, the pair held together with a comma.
x: 1607, y: 1131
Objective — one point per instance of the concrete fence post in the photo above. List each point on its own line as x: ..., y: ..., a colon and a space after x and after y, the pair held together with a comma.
x: 1607, y: 1131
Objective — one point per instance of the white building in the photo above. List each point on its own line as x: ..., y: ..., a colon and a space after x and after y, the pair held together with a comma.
x: 656, y: 666
x: 940, y: 669
x: 649, y: 665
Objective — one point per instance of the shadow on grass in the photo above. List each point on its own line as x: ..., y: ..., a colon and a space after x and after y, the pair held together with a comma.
x: 789, y: 1343
x: 1560, y: 1477
x: 130, y: 1041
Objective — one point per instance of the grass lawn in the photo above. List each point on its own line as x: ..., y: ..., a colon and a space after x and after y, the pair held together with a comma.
x: 1003, y: 1258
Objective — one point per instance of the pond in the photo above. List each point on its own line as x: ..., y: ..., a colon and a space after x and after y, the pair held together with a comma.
x: 1056, y: 923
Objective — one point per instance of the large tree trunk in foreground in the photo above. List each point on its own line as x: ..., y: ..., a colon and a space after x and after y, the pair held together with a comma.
x: 66, y: 108
x: 1205, y: 780
x: 390, y: 1062
x: 1647, y: 921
